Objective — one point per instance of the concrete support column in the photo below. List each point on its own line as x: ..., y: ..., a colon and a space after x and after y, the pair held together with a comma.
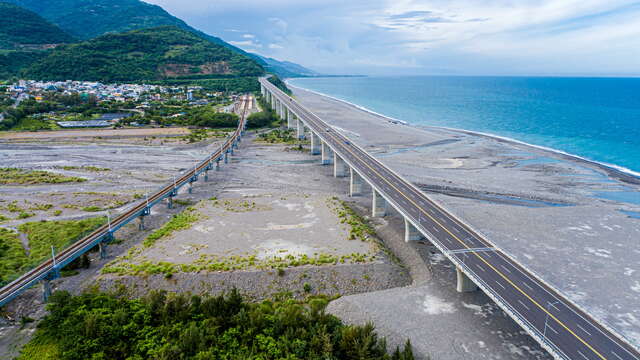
x: 355, y: 183
x: 379, y: 206
x: 339, y: 166
x: 315, y: 144
x: 218, y: 165
x: 190, y: 187
x: 290, y: 118
x: 102, y: 249
x: 300, y: 129
x: 46, y: 289
x: 141, y: 222
x: 226, y: 157
x: 327, y: 154
x: 464, y: 284
x: 170, y: 202
x: 411, y: 233
x: 206, y: 175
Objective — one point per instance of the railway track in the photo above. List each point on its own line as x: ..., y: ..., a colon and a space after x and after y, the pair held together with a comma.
x: 51, y: 267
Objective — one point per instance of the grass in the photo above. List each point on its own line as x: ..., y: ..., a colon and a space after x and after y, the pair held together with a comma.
x: 181, y: 221
x: 359, y: 227
x: 231, y: 263
x: 87, y: 168
x: 92, y: 208
x: 12, y: 255
x: 44, y: 234
x: 33, y: 124
x: 14, y: 176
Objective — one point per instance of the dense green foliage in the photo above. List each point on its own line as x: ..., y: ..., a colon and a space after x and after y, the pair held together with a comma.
x: 12, y: 61
x: 102, y: 326
x: 267, y: 117
x: 279, y: 84
x: 236, y: 84
x: 204, y: 117
x: 148, y: 54
x: 20, y: 26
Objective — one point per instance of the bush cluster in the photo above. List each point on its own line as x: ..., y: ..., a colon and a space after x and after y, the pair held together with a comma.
x: 103, y: 326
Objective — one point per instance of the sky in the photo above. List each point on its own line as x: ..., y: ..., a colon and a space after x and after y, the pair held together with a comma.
x: 429, y: 37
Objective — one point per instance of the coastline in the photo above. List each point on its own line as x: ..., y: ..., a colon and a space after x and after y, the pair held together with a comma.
x: 523, y: 198
x: 618, y: 172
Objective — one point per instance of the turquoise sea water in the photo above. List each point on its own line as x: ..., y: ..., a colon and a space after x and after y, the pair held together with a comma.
x: 595, y: 118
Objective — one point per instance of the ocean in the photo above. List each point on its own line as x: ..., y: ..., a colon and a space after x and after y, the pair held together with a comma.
x: 594, y: 118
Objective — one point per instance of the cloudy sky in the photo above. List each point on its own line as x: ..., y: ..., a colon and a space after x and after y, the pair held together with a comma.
x: 480, y: 37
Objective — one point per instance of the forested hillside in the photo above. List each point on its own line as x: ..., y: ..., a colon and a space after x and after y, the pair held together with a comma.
x: 149, y: 54
x: 20, y: 27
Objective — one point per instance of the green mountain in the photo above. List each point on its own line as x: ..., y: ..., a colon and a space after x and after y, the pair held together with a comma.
x: 20, y: 27
x: 162, y: 53
x: 286, y: 69
x: 86, y: 19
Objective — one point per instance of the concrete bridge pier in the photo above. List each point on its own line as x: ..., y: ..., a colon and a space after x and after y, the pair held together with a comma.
x: 290, y: 118
x: 226, y: 157
x: 170, y: 202
x: 102, y: 249
x: 141, y: 222
x: 411, y: 233
x: 300, y: 129
x: 46, y: 290
x: 206, y: 174
x: 464, y: 284
x: 327, y: 154
x: 218, y: 165
x: 379, y: 206
x: 190, y: 187
x: 315, y: 144
x: 355, y: 183
x: 339, y: 166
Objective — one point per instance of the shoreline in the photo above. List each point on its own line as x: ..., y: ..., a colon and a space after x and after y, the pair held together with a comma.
x: 618, y: 172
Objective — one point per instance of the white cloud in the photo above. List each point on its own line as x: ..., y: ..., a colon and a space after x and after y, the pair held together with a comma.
x: 450, y: 36
x: 246, y: 44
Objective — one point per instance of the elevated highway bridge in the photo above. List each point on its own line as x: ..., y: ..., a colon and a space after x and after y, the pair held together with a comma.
x: 561, y: 327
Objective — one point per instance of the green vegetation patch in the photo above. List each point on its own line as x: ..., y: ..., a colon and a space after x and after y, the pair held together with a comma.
x: 359, y: 227
x: 44, y: 234
x: 278, y: 136
x: 160, y: 326
x: 214, y: 263
x: 14, y: 176
x: 181, y: 221
x: 12, y: 255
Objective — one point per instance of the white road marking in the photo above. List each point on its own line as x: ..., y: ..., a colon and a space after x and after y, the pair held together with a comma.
x: 616, y: 355
x: 552, y: 329
x: 583, y: 329
x: 505, y: 268
x: 502, y: 286
x: 583, y: 355
x: 527, y: 285
x: 480, y: 267
x: 525, y: 306
x: 436, y: 229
